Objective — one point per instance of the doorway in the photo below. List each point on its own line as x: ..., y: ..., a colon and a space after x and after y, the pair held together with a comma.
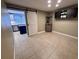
x: 18, y: 21
x: 19, y: 27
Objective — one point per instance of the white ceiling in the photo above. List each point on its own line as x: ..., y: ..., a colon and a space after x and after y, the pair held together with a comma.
x: 42, y: 4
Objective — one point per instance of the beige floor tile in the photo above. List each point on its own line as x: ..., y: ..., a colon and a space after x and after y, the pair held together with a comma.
x: 45, y: 46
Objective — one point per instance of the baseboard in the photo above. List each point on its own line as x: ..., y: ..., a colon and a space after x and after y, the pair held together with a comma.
x: 32, y: 34
x: 65, y: 34
x: 40, y: 32
x: 37, y: 33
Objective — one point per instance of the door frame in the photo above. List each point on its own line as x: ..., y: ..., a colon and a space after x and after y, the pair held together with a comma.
x: 25, y: 13
x: 21, y: 8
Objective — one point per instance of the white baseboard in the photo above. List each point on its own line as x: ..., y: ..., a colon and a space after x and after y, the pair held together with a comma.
x: 37, y: 33
x: 33, y: 34
x: 65, y: 34
x: 40, y: 32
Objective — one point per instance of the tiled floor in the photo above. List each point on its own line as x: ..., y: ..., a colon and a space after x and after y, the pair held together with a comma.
x: 45, y: 46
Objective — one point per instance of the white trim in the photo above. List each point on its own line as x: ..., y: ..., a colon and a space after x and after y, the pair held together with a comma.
x: 37, y: 33
x: 65, y: 34
x: 32, y: 34
x: 40, y: 32
x: 14, y: 50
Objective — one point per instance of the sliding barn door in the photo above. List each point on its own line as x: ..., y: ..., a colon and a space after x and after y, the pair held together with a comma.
x: 32, y: 22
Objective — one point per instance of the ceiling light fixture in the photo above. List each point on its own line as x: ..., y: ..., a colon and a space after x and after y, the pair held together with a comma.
x: 57, y: 5
x: 59, y: 1
x: 49, y: 5
x: 49, y: 1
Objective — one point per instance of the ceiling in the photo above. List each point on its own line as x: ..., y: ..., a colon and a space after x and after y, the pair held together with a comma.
x: 42, y: 4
